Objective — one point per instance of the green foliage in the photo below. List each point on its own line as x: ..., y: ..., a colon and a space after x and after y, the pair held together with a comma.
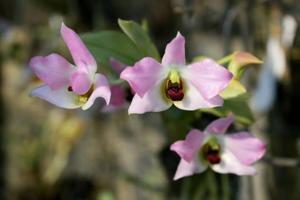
x: 237, y: 106
x: 140, y: 38
x: 111, y: 44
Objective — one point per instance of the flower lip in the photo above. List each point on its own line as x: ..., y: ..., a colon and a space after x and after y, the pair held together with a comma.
x: 174, y: 91
x: 174, y: 86
x: 211, y: 152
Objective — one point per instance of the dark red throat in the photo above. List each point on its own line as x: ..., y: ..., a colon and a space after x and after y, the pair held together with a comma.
x: 211, y: 154
x: 70, y: 89
x: 213, y: 157
x: 175, y: 92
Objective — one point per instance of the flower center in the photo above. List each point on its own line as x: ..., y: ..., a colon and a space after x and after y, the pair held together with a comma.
x: 211, y: 152
x: 84, y: 97
x: 174, y: 86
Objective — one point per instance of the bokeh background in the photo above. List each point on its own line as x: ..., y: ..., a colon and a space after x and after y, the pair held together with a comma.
x: 51, y: 153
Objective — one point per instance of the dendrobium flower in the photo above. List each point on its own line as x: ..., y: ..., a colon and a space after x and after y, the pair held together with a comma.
x: 66, y: 85
x: 158, y: 86
x: 232, y: 153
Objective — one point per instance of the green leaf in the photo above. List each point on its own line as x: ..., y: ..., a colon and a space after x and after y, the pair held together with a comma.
x: 140, y: 38
x: 107, y: 44
x: 234, y: 89
x: 237, y: 106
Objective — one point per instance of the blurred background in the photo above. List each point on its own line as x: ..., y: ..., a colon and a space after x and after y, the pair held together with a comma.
x: 51, y: 153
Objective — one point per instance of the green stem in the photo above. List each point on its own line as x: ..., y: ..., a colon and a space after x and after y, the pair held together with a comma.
x: 185, y: 187
x: 225, y: 59
x: 225, y: 187
x: 116, y: 81
x: 200, y: 192
x: 212, y: 185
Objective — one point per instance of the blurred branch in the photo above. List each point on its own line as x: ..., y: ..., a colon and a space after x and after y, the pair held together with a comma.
x: 212, y: 185
x: 282, y: 161
x: 230, y: 16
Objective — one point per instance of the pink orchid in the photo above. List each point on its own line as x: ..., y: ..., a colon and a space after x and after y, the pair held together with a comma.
x: 233, y: 153
x: 117, y: 100
x: 66, y: 85
x: 158, y: 86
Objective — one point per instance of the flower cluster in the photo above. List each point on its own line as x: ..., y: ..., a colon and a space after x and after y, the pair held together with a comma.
x: 155, y: 87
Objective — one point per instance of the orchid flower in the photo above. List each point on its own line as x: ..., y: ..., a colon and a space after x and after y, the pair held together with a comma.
x: 158, y: 86
x: 66, y: 85
x: 232, y: 153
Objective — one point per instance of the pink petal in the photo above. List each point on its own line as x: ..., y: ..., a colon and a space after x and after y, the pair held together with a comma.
x: 208, y: 77
x: 101, y: 90
x: 118, y: 96
x: 220, y: 126
x: 80, y: 82
x: 53, y: 70
x: 187, y: 149
x: 246, y: 148
x: 117, y: 66
x: 60, y: 97
x: 152, y: 101
x: 175, y: 52
x: 193, y: 100
x: 143, y: 75
x: 230, y: 164
x: 189, y: 168
x: 81, y: 55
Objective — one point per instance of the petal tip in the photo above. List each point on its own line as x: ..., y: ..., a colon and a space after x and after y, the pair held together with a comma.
x: 231, y: 117
x: 108, y: 98
x: 123, y: 74
x: 64, y: 27
x: 179, y: 34
x: 244, y: 58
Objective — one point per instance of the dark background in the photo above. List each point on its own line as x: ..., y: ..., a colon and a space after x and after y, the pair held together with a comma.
x: 50, y: 153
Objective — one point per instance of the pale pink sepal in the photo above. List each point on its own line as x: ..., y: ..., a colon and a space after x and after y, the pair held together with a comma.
x: 143, y: 75
x: 208, y: 77
x: 230, y: 164
x: 189, y: 168
x: 175, y: 52
x: 150, y: 102
x: 53, y: 70
x: 60, y: 97
x: 193, y: 100
x: 187, y: 149
x: 245, y: 147
x: 220, y: 125
x: 81, y: 55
